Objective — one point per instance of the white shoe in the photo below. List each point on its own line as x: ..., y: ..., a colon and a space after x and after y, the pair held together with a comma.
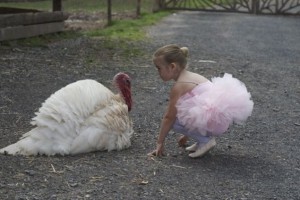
x: 193, y: 147
x: 203, y: 149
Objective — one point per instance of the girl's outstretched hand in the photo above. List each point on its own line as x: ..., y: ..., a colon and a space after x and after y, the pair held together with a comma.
x: 159, y: 151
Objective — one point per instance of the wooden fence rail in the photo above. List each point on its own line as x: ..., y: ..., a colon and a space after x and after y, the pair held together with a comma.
x: 16, y: 23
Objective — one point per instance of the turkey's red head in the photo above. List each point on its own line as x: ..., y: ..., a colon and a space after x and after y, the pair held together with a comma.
x: 122, y: 81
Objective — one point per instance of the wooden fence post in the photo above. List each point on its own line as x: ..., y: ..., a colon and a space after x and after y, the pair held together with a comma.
x: 138, y: 8
x: 255, y: 6
x: 156, y: 5
x: 56, y: 5
x: 109, y: 18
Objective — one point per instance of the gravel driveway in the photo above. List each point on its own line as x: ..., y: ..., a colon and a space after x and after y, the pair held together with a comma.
x: 257, y: 161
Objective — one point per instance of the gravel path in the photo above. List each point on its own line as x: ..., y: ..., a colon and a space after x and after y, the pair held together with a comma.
x: 257, y: 161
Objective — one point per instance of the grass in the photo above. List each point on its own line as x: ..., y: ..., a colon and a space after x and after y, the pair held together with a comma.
x: 121, y: 32
x: 129, y: 29
x: 42, y: 40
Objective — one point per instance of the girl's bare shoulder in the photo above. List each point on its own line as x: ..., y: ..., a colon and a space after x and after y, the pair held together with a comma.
x: 196, y: 77
x: 187, y: 82
x: 192, y: 78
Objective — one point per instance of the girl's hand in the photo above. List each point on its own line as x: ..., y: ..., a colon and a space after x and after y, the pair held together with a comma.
x: 182, y: 140
x: 159, y: 151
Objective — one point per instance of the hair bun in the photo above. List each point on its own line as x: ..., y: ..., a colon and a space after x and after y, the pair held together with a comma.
x: 185, y: 51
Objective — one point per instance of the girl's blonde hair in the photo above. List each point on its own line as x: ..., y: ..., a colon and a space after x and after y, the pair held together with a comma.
x: 173, y: 54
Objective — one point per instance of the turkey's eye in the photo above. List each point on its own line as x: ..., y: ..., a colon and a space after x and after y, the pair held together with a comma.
x: 127, y: 82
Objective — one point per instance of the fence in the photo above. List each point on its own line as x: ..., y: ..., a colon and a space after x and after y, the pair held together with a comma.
x: 277, y: 7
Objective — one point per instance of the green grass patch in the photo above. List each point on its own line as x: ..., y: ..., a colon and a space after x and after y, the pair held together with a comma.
x: 42, y: 40
x: 129, y: 29
x: 119, y: 36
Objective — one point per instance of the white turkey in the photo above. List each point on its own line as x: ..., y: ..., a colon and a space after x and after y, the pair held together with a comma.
x: 82, y: 117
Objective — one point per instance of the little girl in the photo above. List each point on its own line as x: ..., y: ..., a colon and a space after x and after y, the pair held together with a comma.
x: 198, y: 108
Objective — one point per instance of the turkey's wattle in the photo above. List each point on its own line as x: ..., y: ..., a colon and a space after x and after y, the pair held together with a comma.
x: 122, y: 81
x: 82, y: 117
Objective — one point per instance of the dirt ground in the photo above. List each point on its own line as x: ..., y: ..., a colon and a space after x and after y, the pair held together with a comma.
x: 259, y: 160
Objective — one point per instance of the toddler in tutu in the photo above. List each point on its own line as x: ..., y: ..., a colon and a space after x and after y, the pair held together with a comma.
x: 198, y: 108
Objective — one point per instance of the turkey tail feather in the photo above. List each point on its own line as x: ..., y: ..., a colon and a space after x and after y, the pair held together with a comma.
x: 12, y: 149
x: 39, y: 140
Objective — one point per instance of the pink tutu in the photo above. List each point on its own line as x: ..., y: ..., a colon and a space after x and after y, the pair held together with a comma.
x: 212, y: 107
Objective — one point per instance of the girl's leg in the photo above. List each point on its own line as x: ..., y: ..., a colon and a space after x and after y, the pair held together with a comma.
x: 192, y: 134
x: 203, y: 143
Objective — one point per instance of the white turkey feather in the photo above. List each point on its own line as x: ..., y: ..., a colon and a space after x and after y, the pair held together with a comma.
x: 82, y: 117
